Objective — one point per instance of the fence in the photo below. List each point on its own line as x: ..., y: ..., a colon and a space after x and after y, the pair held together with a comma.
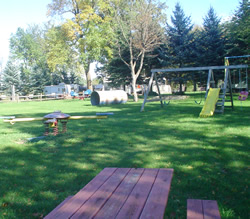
x: 32, y: 97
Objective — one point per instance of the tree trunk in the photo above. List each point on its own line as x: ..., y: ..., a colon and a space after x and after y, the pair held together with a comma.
x: 89, y: 81
x: 195, y: 86
x: 180, y: 87
x: 134, y: 88
x: 194, y: 83
x: 88, y: 77
x: 13, y: 94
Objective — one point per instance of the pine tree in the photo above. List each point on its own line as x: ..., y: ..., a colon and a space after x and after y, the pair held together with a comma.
x: 180, y: 45
x: 238, y: 30
x: 211, y: 45
x: 180, y: 38
x: 11, y: 77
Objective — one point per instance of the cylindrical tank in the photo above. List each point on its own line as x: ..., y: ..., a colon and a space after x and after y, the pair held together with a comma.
x: 108, y: 97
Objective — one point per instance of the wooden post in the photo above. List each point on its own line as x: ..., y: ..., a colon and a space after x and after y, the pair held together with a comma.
x: 230, y: 88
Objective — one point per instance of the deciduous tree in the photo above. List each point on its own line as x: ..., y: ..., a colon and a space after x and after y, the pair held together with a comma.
x: 88, y: 28
x: 138, y: 27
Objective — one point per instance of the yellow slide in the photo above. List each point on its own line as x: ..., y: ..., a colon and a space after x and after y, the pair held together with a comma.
x: 209, y: 105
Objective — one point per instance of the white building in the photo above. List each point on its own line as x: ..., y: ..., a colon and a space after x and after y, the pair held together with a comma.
x: 60, y: 89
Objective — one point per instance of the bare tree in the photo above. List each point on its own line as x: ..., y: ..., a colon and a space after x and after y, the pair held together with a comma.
x: 139, y: 27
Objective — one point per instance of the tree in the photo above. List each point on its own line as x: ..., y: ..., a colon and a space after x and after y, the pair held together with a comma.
x: 116, y: 71
x: 28, y: 45
x: 238, y: 30
x: 11, y: 77
x: 27, y: 48
x: 62, y: 55
x: 58, y: 51
x: 89, y: 29
x: 211, y: 45
x: 179, y: 51
x: 1, y: 73
x: 180, y: 38
x: 138, y: 29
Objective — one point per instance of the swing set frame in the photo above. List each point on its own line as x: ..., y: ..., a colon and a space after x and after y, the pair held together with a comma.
x: 240, y: 81
x: 210, y: 80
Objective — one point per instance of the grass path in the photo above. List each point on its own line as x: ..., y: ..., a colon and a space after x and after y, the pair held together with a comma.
x: 210, y: 156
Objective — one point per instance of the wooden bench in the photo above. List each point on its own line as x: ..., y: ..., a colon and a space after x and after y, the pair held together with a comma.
x: 202, y: 209
x: 120, y: 193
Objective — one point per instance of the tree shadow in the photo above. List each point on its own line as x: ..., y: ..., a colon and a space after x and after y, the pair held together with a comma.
x: 207, y: 162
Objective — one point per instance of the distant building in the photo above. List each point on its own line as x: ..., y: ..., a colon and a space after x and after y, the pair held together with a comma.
x: 60, y: 89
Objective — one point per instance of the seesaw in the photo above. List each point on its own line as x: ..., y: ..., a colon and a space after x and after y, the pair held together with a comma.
x: 51, y: 120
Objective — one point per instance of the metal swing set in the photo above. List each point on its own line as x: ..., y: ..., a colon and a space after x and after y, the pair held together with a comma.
x: 219, y: 101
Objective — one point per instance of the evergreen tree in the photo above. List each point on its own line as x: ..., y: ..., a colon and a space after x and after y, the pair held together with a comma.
x: 179, y: 39
x: 211, y: 44
x: 39, y: 77
x: 180, y: 45
x: 238, y: 30
x: 11, y: 77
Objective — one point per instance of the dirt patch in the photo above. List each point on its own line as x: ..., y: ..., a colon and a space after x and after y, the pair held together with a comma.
x: 172, y: 97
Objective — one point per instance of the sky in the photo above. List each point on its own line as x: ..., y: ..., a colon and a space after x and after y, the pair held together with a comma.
x: 21, y: 13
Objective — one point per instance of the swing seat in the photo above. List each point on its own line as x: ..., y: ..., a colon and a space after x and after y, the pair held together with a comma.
x: 243, y: 95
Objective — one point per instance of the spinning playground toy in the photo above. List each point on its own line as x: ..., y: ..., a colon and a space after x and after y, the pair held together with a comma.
x: 52, y: 121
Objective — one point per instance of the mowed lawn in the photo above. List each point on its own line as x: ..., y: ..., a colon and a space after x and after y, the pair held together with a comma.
x: 210, y: 156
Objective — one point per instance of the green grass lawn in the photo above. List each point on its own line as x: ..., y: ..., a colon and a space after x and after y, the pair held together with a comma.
x: 210, y: 156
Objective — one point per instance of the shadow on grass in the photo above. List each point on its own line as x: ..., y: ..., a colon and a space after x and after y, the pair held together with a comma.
x: 209, y: 160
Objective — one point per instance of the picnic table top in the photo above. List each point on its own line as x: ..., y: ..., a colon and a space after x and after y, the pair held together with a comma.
x: 120, y: 193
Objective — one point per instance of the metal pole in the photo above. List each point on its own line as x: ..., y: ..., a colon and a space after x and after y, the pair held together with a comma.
x: 146, y: 95
x: 158, y: 88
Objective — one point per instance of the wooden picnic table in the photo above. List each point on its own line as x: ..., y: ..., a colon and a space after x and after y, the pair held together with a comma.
x: 120, y: 193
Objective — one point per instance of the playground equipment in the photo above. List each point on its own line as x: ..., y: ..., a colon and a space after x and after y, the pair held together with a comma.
x: 108, y: 97
x: 52, y: 121
x: 225, y: 89
x: 242, y: 97
x: 87, y: 93
x: 7, y: 117
x: 210, y: 103
x: 240, y: 78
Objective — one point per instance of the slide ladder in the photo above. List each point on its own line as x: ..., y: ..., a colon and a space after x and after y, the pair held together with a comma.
x: 210, y: 103
x: 225, y: 94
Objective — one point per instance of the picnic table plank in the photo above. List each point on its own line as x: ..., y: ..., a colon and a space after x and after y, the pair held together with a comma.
x: 195, y: 210
x: 58, y: 206
x: 136, y: 200
x: 158, y: 197
x: 65, y: 211
x: 210, y: 209
x: 120, y: 193
x: 116, y: 201
x: 92, y: 206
